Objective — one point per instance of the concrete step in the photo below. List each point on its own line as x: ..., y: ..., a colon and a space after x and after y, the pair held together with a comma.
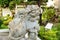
x: 4, y: 34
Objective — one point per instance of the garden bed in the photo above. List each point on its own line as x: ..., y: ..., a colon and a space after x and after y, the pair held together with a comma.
x: 53, y: 34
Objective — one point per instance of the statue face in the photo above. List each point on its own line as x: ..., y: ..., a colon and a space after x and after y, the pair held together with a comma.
x: 34, y: 13
x: 21, y: 15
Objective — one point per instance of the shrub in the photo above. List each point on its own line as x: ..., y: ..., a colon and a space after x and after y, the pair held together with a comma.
x: 4, y: 21
x: 33, y: 2
x: 4, y: 26
x: 48, y: 14
x: 48, y: 34
x: 53, y: 34
x: 19, y: 1
x: 12, y: 5
x: 1, y: 22
x: 4, y: 3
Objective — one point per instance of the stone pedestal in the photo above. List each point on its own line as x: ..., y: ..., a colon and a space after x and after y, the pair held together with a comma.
x: 4, y: 34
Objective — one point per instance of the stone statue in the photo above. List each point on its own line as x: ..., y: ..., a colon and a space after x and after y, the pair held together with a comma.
x: 25, y: 21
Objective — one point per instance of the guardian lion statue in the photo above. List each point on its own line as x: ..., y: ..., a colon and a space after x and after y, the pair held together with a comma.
x: 25, y: 21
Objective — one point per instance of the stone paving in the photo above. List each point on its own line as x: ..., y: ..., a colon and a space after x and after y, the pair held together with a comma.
x: 4, y: 36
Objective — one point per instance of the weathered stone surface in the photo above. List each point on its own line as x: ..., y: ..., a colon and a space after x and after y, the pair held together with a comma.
x: 25, y: 21
x: 4, y: 35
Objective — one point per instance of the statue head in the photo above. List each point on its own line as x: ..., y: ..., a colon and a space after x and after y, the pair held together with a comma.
x: 33, y: 12
x: 32, y: 7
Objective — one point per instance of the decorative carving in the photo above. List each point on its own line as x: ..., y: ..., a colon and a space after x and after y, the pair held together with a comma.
x: 25, y: 21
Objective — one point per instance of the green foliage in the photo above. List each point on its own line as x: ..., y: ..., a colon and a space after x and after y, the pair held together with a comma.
x: 41, y: 1
x: 0, y: 2
x: 4, y: 21
x: 19, y: 1
x: 4, y: 26
x: 33, y: 2
x: 58, y: 29
x: 1, y: 22
x: 4, y: 3
x: 57, y: 25
x: 48, y: 34
x: 48, y: 14
x: 7, y: 20
x: 41, y: 32
x: 53, y: 34
x: 44, y: 1
x: 12, y: 5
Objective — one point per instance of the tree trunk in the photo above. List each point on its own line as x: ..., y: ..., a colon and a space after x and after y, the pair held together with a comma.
x: 39, y: 4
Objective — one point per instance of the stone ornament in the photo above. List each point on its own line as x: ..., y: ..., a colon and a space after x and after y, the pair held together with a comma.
x: 25, y: 21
